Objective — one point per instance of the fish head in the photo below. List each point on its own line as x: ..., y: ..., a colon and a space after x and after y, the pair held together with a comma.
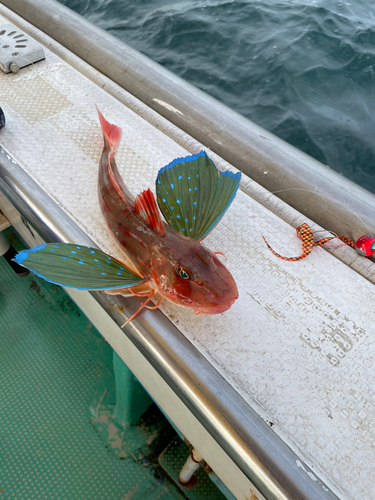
x: 194, y: 278
x: 365, y: 245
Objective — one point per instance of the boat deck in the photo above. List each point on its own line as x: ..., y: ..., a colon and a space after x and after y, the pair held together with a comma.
x: 52, y: 385
x: 298, y: 344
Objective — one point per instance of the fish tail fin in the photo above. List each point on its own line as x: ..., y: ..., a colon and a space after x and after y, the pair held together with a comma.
x: 111, y: 133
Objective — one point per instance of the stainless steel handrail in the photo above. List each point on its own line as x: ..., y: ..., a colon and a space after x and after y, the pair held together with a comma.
x: 259, y: 453
x: 313, y: 189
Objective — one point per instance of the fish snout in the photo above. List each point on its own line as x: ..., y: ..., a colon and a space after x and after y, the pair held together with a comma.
x: 212, y: 310
x: 219, y: 303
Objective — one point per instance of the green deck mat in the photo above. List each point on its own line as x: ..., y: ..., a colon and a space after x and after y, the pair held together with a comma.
x: 54, y: 368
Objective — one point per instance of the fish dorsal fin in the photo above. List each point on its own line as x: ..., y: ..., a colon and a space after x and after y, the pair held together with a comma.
x: 146, y: 207
x: 77, y: 266
x: 193, y: 194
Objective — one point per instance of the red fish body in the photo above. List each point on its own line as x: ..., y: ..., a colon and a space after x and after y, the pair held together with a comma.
x: 177, y: 267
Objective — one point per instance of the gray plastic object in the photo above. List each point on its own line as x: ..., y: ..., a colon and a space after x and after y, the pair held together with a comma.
x: 17, y: 50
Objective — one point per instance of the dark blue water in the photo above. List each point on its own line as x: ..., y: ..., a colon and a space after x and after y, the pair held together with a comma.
x: 304, y: 70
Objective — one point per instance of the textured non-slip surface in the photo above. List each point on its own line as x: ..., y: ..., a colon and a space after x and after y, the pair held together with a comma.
x: 298, y: 345
x: 54, y: 370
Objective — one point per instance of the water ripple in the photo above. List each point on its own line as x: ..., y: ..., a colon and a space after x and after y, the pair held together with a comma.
x: 305, y: 70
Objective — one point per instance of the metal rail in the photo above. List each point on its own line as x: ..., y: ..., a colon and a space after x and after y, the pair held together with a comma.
x: 313, y: 189
x: 258, y: 452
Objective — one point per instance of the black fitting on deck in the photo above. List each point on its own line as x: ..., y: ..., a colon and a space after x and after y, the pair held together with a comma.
x: 2, y: 119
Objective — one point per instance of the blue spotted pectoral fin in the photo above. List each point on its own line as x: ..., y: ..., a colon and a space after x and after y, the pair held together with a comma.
x: 76, y: 266
x: 193, y: 194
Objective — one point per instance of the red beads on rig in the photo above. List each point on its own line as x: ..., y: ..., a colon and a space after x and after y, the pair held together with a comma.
x: 365, y: 245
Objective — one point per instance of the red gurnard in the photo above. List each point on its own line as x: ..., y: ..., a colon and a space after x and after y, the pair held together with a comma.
x: 163, y: 258
x: 177, y: 267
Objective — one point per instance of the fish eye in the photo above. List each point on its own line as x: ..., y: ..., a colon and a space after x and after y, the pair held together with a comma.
x: 183, y: 272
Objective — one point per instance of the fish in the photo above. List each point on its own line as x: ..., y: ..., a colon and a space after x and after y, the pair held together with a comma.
x: 161, y: 239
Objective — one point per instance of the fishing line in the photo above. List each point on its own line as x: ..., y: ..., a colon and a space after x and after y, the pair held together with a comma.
x: 365, y: 245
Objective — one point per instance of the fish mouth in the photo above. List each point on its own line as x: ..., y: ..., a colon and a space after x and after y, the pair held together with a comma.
x: 213, y: 309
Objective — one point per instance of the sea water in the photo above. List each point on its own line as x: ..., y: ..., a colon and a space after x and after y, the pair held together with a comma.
x: 302, y: 69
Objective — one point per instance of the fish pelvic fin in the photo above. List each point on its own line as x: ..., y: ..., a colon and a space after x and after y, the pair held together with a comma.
x: 111, y: 134
x: 146, y: 207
